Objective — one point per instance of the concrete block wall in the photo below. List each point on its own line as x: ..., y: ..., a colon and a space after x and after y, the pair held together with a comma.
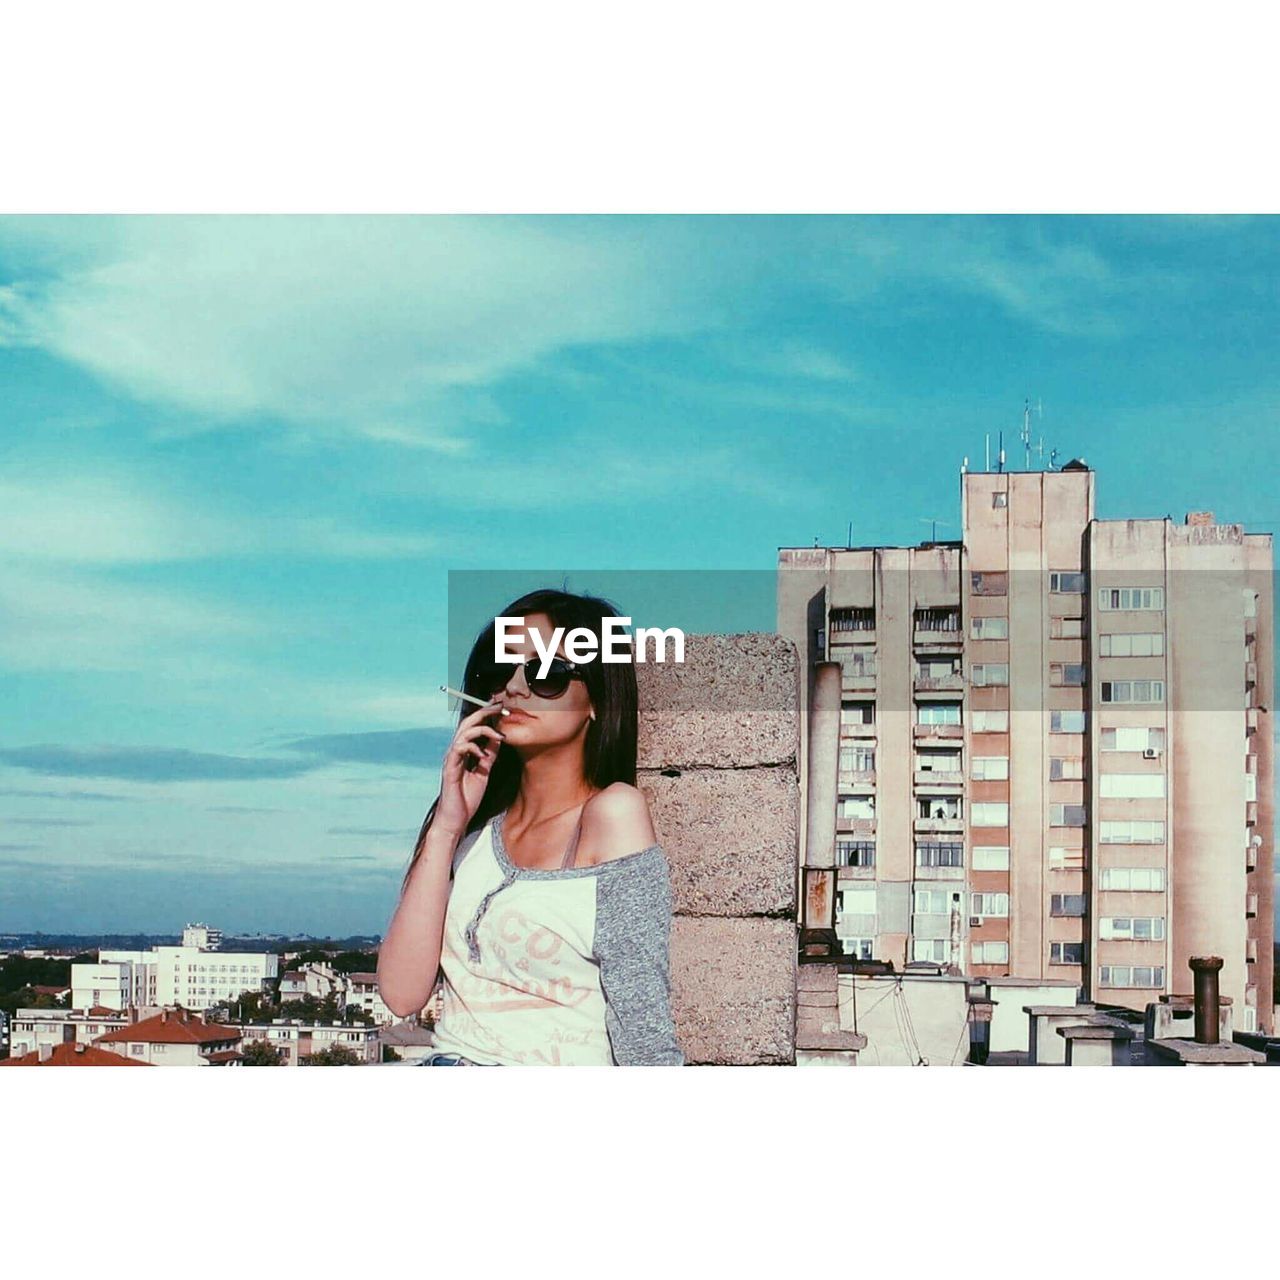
x: 719, y: 744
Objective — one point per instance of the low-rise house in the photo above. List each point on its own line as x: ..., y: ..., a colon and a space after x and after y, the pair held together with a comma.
x: 34, y: 1029
x: 298, y: 1040
x: 72, y: 1055
x: 363, y: 993
x: 176, y: 1038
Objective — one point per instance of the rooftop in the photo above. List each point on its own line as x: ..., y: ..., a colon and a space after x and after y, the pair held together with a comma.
x: 73, y: 1055
x: 171, y: 1027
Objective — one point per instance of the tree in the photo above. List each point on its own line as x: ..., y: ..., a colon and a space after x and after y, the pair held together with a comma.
x: 338, y: 1055
x: 390, y: 1054
x: 258, y: 1053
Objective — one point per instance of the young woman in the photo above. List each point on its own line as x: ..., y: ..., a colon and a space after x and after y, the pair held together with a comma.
x: 537, y: 888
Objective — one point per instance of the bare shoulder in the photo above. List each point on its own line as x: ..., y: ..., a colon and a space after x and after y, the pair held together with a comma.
x: 616, y: 822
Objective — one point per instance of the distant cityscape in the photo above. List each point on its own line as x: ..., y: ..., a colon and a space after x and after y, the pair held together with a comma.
x: 199, y: 998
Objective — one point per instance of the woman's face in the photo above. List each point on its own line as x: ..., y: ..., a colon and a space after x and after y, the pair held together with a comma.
x: 540, y: 722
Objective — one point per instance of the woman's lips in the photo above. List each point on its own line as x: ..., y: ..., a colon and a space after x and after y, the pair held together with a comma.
x: 515, y: 715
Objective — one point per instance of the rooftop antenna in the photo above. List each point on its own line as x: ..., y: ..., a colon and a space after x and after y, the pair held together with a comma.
x: 933, y: 522
x: 1000, y: 455
x: 849, y: 540
x: 1028, y: 447
x: 988, y: 466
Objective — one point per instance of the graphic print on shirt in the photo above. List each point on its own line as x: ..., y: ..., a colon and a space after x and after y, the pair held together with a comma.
x: 528, y: 991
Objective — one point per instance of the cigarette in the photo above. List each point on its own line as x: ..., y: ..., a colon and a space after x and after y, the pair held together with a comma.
x: 466, y: 697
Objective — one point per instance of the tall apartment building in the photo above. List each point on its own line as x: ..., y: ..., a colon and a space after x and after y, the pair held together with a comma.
x: 1044, y: 751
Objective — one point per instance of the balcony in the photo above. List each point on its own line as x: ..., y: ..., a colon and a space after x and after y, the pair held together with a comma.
x: 945, y: 731
x: 940, y: 684
x: 1251, y: 720
x: 1250, y: 674
x: 937, y: 778
x: 858, y: 682
x: 948, y: 640
x: 857, y: 729
x: 939, y: 826
x: 939, y: 873
x: 854, y: 873
x: 856, y: 780
x: 1251, y: 813
x: 855, y: 826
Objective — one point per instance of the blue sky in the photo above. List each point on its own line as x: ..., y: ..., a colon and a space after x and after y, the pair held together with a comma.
x: 239, y: 457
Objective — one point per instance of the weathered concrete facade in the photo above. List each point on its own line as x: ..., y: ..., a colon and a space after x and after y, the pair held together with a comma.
x: 1055, y: 746
x: 719, y: 738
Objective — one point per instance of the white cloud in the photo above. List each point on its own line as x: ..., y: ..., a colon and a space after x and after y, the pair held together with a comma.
x: 371, y: 323
x: 116, y: 520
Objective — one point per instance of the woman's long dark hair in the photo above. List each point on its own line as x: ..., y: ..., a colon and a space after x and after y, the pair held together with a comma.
x: 609, y: 753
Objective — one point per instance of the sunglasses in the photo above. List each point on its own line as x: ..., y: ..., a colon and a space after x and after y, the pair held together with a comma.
x: 560, y: 674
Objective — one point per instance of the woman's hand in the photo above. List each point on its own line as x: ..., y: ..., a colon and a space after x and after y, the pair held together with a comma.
x: 465, y: 772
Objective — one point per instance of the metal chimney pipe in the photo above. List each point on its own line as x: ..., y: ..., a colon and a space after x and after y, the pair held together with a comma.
x: 1205, y: 969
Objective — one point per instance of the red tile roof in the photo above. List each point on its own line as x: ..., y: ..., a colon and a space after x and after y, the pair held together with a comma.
x: 170, y: 1027
x: 224, y: 1055
x: 50, y: 991
x: 369, y: 979
x: 74, y: 1055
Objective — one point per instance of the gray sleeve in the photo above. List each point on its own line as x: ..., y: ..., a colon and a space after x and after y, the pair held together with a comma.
x: 632, y: 941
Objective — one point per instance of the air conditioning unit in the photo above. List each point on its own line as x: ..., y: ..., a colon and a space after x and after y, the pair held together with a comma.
x: 1151, y: 754
x: 974, y: 921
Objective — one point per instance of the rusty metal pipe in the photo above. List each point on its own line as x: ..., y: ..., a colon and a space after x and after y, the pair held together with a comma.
x: 1205, y: 969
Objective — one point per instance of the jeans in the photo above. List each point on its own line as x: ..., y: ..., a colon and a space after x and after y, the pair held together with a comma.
x: 453, y: 1060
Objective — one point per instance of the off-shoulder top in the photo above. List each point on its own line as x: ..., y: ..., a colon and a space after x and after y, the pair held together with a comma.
x: 562, y: 967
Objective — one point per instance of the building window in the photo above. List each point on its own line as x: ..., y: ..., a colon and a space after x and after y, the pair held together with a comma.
x: 1137, y: 598
x: 989, y: 628
x: 859, y: 663
x: 820, y: 640
x: 1067, y: 904
x: 991, y: 721
x: 931, y: 950
x: 991, y: 857
x: 989, y: 814
x: 1066, y: 769
x: 857, y: 760
x: 1067, y: 815
x: 1066, y: 953
x: 1132, y: 786
x: 1132, y: 740
x: 1133, y: 691
x: 1138, y: 975
x: 938, y: 619
x: 999, y: 499
x: 937, y: 668
x: 1067, y: 673
x: 946, y: 808
x: 1132, y: 928
x: 990, y: 674
x: 1068, y: 721
x: 938, y: 760
x: 857, y: 806
x: 937, y: 713
x: 990, y: 953
x: 933, y: 902
x: 1068, y: 628
x: 1133, y: 879
x: 857, y: 713
x: 1132, y: 832
x: 853, y: 620
x: 855, y: 853
x: 990, y: 584
x: 990, y: 768
x: 858, y: 948
x: 1147, y: 644
x: 939, y: 853
x: 989, y: 904
x: 1070, y: 582
x: 856, y: 902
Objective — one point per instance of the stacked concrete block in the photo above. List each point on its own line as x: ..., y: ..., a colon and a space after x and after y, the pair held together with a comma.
x: 719, y: 741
